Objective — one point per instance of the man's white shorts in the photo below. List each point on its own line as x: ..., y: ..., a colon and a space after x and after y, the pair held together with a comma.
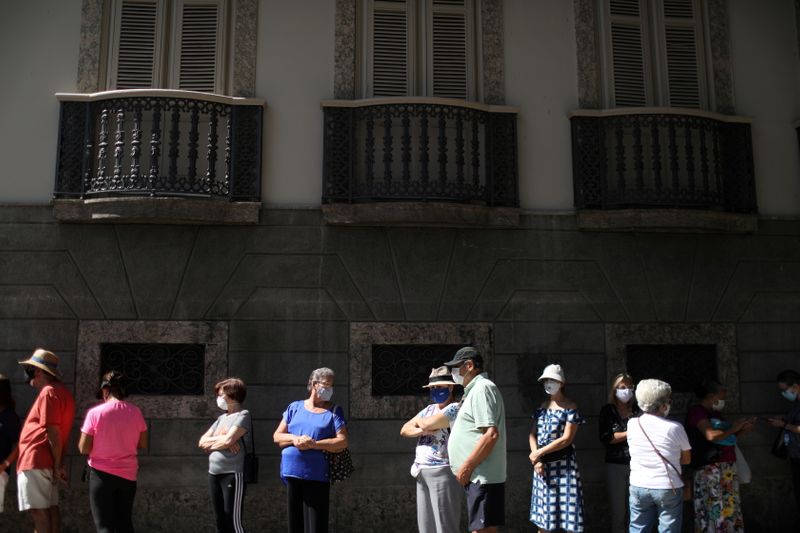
x: 36, y: 489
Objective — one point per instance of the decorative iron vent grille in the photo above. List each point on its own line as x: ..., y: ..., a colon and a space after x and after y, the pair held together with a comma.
x: 402, y: 369
x: 157, y: 369
x: 683, y: 366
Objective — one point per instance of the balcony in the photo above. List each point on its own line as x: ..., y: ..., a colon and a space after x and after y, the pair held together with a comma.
x: 419, y: 160
x: 158, y: 156
x: 657, y: 168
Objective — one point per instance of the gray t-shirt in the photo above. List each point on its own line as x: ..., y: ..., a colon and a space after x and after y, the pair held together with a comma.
x: 223, y: 461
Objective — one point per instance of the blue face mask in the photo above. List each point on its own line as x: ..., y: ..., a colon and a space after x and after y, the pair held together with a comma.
x: 789, y: 395
x: 439, y: 395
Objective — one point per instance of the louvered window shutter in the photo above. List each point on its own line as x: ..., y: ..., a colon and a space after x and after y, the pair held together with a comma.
x: 629, y: 84
x: 389, y: 62
x: 682, y: 47
x: 135, y: 56
x: 449, y: 60
x: 197, y: 49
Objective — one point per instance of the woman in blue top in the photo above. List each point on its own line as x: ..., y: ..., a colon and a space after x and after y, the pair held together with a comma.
x: 308, y: 428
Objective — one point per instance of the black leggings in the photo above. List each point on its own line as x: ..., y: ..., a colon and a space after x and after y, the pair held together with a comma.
x: 308, y: 505
x: 111, y: 499
x: 227, y: 496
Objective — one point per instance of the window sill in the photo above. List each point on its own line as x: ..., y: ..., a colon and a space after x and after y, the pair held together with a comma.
x: 159, y: 210
x: 666, y: 220
x: 436, y: 214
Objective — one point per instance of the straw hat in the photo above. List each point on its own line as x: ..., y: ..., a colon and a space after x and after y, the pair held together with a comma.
x: 44, y: 360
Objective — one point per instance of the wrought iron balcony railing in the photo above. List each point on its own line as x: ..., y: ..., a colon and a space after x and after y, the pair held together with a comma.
x: 419, y: 149
x: 645, y: 157
x: 159, y: 143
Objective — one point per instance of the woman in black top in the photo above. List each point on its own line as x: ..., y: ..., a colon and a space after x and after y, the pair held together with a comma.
x: 613, y: 428
x: 9, y: 435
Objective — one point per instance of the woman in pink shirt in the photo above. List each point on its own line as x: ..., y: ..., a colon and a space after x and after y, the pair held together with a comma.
x: 110, y: 436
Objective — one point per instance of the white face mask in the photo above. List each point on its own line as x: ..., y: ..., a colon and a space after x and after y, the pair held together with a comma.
x: 325, y: 393
x: 624, y: 395
x: 551, y: 387
x: 221, y: 403
x: 457, y: 377
x: 718, y: 405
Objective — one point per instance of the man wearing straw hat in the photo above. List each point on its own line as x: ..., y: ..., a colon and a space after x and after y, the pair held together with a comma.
x: 43, y: 441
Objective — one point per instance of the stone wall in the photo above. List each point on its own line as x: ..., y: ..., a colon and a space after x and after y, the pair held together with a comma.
x: 290, y: 290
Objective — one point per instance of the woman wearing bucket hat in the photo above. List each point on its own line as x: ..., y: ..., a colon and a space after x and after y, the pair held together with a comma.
x: 439, y: 495
x: 111, y: 435
x: 557, y: 495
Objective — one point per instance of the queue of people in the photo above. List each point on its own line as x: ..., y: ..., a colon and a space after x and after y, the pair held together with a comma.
x: 653, y: 463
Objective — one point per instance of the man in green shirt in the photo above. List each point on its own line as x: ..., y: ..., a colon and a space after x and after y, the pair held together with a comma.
x: 477, y: 445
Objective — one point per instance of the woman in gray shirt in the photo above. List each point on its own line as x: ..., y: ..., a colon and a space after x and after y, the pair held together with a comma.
x: 226, y: 455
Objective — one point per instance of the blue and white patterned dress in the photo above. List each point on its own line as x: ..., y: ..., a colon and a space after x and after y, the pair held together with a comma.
x: 557, y: 497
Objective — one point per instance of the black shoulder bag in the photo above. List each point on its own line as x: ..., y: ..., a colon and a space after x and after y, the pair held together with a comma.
x: 251, y: 459
x: 340, y: 464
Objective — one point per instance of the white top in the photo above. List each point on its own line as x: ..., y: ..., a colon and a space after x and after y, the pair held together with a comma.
x: 432, y: 447
x: 647, y: 469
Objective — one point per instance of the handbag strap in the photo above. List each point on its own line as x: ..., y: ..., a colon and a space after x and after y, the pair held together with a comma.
x: 252, y: 434
x: 252, y: 437
x: 664, y: 459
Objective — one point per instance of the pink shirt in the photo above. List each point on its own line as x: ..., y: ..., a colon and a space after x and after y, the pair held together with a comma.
x: 115, y: 428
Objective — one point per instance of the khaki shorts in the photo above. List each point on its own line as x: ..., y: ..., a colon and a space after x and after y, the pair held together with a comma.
x: 36, y: 489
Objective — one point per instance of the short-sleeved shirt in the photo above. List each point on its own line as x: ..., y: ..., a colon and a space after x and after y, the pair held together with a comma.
x: 54, y: 406
x: 431, y: 449
x: 225, y: 461
x: 551, y: 423
x: 115, y: 428
x: 9, y: 432
x: 647, y: 468
x: 482, y: 407
x: 309, y: 464
x: 698, y: 413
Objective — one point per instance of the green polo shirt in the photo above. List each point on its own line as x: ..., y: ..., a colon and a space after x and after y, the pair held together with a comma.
x: 482, y: 407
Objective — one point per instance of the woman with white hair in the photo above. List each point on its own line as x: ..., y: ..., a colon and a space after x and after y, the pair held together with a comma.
x: 658, y: 447
x: 307, y: 429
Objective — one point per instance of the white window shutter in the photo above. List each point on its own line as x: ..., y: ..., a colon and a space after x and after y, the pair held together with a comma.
x: 389, y: 63
x: 451, y: 54
x: 197, y: 52
x: 682, y: 49
x: 629, y: 61
x: 136, y: 45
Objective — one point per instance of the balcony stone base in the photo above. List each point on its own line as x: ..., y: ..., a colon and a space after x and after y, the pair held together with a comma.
x: 667, y: 220
x: 419, y: 214
x: 159, y: 210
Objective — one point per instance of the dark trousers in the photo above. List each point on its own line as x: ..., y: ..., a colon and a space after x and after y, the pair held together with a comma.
x: 796, y: 482
x: 227, y: 496
x: 111, y: 499
x: 308, y: 505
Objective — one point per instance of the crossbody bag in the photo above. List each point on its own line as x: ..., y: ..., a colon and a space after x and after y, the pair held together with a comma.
x: 687, y: 495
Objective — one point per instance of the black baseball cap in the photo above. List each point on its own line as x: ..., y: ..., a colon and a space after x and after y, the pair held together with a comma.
x: 467, y: 353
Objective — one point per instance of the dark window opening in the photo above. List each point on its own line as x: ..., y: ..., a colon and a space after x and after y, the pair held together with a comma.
x: 157, y: 369
x: 683, y: 366
x: 402, y: 369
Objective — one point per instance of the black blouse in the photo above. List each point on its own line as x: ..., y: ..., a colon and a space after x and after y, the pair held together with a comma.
x: 611, y: 422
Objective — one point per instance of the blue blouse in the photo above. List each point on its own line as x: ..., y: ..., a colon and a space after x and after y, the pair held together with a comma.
x: 309, y: 464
